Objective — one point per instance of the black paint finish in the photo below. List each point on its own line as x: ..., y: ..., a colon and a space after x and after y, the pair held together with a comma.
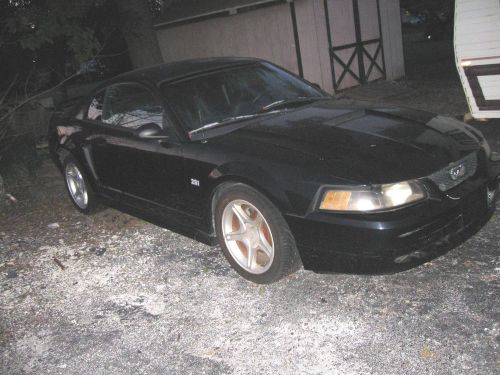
x: 290, y: 156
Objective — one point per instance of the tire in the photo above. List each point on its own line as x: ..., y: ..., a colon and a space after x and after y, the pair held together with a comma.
x: 253, y: 235
x: 78, y: 187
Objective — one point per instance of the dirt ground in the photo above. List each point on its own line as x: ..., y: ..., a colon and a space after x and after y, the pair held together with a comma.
x: 111, y: 294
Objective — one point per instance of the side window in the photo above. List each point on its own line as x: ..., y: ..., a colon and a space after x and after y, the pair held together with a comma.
x: 95, y: 109
x: 131, y: 106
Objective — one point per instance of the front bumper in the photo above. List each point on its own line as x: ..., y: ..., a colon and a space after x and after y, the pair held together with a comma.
x: 395, y: 241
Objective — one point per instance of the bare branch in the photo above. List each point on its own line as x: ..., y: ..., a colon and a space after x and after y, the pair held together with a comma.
x: 27, y: 82
x: 115, y: 54
x: 9, y: 88
x: 3, y: 127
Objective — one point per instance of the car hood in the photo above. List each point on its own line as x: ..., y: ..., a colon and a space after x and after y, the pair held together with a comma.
x: 357, y: 142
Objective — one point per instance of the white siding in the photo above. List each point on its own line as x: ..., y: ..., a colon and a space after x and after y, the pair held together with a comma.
x: 265, y: 33
x: 368, y: 21
x: 343, y: 32
x: 390, y: 20
x: 490, y: 86
x: 477, y: 32
x: 311, y: 27
x: 268, y: 33
x: 477, y: 42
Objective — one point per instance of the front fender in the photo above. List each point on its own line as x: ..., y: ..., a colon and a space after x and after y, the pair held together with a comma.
x: 275, y: 188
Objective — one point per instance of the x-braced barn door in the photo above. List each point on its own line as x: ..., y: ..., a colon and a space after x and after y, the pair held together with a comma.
x: 355, y: 41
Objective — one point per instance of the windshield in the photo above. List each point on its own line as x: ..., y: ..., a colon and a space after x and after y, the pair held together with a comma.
x: 232, y: 93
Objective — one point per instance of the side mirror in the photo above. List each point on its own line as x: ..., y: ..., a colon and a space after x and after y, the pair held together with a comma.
x: 150, y: 131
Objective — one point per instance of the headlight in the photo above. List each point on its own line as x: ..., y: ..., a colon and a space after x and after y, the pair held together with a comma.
x: 378, y: 197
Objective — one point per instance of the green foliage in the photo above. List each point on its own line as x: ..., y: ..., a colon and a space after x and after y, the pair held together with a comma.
x: 37, y: 24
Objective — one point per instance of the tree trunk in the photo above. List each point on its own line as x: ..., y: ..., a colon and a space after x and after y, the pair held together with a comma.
x: 136, y: 23
x: 2, y: 192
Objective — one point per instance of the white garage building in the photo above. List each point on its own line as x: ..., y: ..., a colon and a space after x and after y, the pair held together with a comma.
x: 335, y: 43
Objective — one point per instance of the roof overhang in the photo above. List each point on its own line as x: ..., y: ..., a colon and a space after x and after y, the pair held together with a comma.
x: 244, y: 6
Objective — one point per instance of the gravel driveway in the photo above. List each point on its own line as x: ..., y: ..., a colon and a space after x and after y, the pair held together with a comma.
x: 110, y: 294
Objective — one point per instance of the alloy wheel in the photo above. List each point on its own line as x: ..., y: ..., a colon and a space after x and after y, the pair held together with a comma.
x: 76, y: 186
x: 247, y: 236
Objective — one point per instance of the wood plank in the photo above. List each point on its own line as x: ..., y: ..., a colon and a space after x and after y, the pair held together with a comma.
x: 368, y: 19
x: 392, y: 37
x: 477, y: 39
x: 265, y: 33
x: 341, y: 22
x: 309, y: 43
x: 490, y: 86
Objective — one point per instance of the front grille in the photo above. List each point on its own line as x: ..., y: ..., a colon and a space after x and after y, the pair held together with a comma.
x: 442, y: 178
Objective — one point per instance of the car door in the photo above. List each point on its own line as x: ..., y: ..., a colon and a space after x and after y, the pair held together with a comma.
x: 135, y: 169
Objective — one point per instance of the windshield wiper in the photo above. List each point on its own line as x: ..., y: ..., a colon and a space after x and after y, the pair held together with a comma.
x: 266, y: 110
x: 297, y: 100
x: 226, y: 121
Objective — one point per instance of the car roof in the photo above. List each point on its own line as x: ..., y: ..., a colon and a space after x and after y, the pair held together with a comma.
x: 180, y: 69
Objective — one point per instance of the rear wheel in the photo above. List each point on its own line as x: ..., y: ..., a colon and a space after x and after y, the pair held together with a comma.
x: 78, y: 187
x: 254, y: 237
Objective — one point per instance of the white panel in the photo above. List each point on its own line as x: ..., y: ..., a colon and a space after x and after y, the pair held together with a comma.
x: 477, y: 41
x: 485, y: 34
x: 375, y: 73
x: 490, y: 85
x: 311, y: 27
x: 348, y: 80
x: 266, y: 33
x: 326, y: 67
x: 368, y: 19
x: 477, y: 28
x: 341, y: 14
x: 392, y: 36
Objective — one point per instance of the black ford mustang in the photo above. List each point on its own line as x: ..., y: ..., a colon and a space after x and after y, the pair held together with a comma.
x: 242, y: 152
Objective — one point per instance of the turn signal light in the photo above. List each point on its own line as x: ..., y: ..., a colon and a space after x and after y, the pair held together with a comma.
x: 335, y: 200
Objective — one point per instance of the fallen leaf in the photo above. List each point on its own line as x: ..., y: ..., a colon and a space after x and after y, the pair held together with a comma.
x: 471, y: 264
x: 426, y: 353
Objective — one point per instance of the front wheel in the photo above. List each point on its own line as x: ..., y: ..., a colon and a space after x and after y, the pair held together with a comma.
x: 254, y: 236
x: 78, y: 187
